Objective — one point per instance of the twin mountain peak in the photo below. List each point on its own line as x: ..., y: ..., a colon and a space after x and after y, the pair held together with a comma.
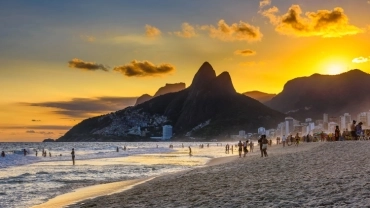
x: 211, y: 108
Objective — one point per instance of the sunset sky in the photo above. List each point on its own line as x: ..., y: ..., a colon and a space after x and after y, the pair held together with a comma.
x: 64, y: 61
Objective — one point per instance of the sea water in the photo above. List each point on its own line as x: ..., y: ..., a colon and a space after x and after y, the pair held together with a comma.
x: 29, y: 180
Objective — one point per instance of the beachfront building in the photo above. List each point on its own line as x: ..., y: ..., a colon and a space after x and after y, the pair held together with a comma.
x: 261, y: 130
x: 326, y: 118
x: 331, y: 127
x: 362, y: 117
x: 241, y: 133
x: 289, y: 125
x: 167, y: 132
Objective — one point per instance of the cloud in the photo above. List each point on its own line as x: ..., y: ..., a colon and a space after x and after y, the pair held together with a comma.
x: 34, y: 120
x: 38, y: 127
x: 237, y: 31
x: 187, y: 31
x: 89, y: 66
x: 86, y: 107
x: 151, y: 31
x: 360, y: 60
x: 246, y: 52
x: 323, y: 23
x: 143, y: 69
x: 88, y: 38
x: 264, y: 3
x: 39, y: 132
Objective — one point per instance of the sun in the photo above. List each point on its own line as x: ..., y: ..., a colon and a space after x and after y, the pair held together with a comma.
x: 334, y: 69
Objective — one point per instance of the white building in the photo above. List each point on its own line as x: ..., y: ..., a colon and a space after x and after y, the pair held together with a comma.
x: 326, y: 118
x: 242, y: 133
x: 261, y: 130
x: 289, y: 125
x: 362, y: 117
x: 167, y: 132
x: 307, y: 120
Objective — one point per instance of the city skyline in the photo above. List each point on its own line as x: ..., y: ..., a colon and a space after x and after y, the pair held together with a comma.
x: 66, y: 61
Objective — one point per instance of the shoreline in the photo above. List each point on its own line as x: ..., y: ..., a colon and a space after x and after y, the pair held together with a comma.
x: 94, y: 191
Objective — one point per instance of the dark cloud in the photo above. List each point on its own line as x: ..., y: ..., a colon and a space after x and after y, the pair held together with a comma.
x: 39, y: 132
x: 324, y: 23
x: 246, y: 52
x: 89, y: 66
x: 38, y: 127
x: 143, y: 69
x: 87, y: 107
x: 34, y: 120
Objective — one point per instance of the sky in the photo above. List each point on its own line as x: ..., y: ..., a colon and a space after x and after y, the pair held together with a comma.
x: 65, y: 61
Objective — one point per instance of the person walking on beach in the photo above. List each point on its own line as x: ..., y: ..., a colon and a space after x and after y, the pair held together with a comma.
x: 245, y: 150
x: 264, y: 143
x: 251, y: 146
x: 337, y: 133
x: 24, y: 152
x: 36, y: 153
x: 240, y: 145
x: 284, y: 140
x: 190, y: 154
x: 260, y: 143
x: 117, y: 149
x: 73, y: 155
x: 297, y: 140
x: 353, y: 130
x: 358, y: 130
x: 2, y: 154
x: 232, y: 149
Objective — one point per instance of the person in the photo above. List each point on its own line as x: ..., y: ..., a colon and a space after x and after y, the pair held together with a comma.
x: 245, y: 150
x: 232, y: 149
x: 297, y: 140
x: 36, y: 153
x: 264, y: 143
x: 240, y: 145
x: 284, y: 140
x: 337, y: 133
x: 190, y: 154
x: 2, y: 154
x: 73, y: 155
x: 260, y: 143
x: 226, y: 149
x: 358, y: 130
x: 49, y: 154
x: 251, y: 146
x: 117, y: 149
x: 24, y: 152
x: 353, y: 130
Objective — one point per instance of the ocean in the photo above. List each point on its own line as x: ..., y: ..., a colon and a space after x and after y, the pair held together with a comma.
x: 29, y: 180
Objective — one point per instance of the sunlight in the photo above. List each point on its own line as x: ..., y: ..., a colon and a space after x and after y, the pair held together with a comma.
x: 335, y: 69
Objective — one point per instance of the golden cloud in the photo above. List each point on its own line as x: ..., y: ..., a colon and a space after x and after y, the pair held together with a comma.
x: 187, y: 31
x: 264, y: 3
x: 360, y: 60
x: 246, y: 52
x: 323, y: 23
x: 143, y: 69
x: 237, y: 31
x: 151, y: 31
x: 89, y: 66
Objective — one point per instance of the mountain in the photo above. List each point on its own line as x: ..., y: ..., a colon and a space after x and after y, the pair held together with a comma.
x: 260, y: 96
x: 168, y: 88
x: 310, y: 97
x: 209, y: 107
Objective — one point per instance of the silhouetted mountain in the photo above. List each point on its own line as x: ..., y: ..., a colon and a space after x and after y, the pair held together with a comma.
x: 209, y: 107
x: 260, y: 96
x: 310, y: 97
x: 168, y: 88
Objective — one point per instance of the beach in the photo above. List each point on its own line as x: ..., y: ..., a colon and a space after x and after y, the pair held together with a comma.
x: 324, y: 174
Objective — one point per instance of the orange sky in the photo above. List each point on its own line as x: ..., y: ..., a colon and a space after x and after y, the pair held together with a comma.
x: 61, y: 64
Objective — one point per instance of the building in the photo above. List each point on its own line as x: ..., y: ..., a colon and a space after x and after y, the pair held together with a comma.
x: 289, y: 125
x: 167, y: 132
x: 326, y: 118
x: 331, y: 127
x: 261, y: 130
x: 362, y: 117
x: 242, y: 134
x: 308, y: 120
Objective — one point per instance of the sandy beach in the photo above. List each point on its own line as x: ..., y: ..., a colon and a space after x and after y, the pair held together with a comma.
x: 311, y: 175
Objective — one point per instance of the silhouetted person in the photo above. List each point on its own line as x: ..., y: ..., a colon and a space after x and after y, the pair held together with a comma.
x: 353, y: 130
x: 337, y: 133
x: 117, y: 149
x: 36, y: 153
x: 2, y: 154
x: 358, y: 130
x: 190, y: 153
x: 240, y: 145
x: 24, y: 152
x: 260, y: 143
x: 49, y: 154
x: 73, y: 156
x: 264, y: 142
